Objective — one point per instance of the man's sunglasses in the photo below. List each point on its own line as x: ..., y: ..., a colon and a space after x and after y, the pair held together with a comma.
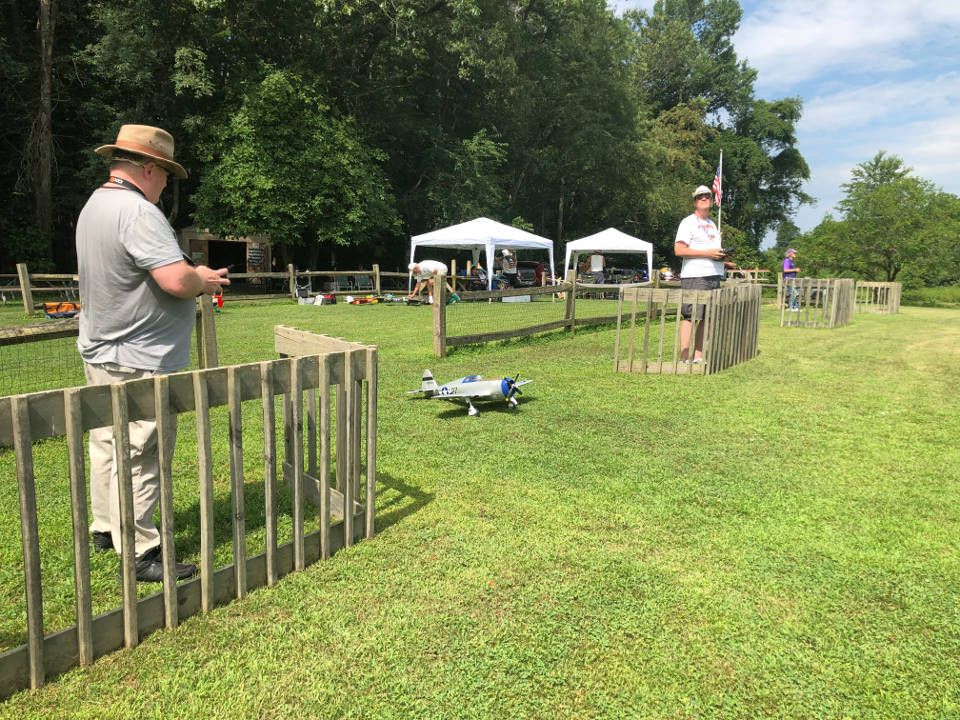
x: 705, y: 196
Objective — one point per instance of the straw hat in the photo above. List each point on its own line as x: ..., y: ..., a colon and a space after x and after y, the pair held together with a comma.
x: 151, y: 142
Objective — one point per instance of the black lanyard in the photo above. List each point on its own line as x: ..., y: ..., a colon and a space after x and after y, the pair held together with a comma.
x: 126, y: 185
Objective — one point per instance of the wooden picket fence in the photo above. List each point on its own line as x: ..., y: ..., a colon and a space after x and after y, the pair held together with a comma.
x: 822, y: 302
x: 878, y: 297
x: 314, y: 364
x: 651, y: 345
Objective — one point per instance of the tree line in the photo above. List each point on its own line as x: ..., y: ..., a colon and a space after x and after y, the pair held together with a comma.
x: 340, y: 127
x: 891, y: 226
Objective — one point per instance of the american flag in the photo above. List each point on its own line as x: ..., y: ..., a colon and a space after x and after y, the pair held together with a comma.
x: 716, y: 185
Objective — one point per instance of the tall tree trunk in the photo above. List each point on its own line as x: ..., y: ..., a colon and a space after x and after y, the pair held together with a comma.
x: 44, y: 181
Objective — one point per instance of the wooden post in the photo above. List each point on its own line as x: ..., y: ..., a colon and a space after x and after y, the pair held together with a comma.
x: 296, y: 461
x: 239, y: 523
x: 324, y: 459
x: 780, y: 292
x: 121, y: 444
x: 371, y: 493
x: 292, y: 278
x: 269, y: 470
x: 166, y: 434
x: 616, y: 340
x: 205, y: 467
x: 25, y: 290
x: 30, y: 538
x: 440, y: 316
x: 207, y: 356
x: 376, y: 279
x: 570, y: 310
x: 81, y: 536
x: 347, y: 481
x: 656, y: 278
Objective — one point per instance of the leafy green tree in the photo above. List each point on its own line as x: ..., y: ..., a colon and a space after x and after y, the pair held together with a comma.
x: 669, y: 166
x: 763, y: 172
x: 685, y: 54
x: 288, y: 166
x: 891, y: 221
x: 685, y: 51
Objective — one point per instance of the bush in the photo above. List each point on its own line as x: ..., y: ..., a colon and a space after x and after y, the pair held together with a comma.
x: 944, y: 296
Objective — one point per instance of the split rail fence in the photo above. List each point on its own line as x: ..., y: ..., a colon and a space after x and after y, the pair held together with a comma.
x: 821, y: 302
x: 580, y: 308
x: 314, y: 364
x: 40, y: 356
x: 646, y: 342
x: 293, y: 284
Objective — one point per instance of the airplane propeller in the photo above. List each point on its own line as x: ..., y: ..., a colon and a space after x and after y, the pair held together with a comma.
x: 514, y: 389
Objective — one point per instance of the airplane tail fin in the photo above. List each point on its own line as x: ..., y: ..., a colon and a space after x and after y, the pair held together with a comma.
x: 428, y: 384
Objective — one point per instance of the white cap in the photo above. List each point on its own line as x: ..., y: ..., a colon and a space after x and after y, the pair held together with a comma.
x: 411, y: 266
x: 702, y: 190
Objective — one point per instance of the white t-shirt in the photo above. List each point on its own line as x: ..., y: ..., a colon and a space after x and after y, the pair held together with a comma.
x: 596, y: 263
x: 508, y: 265
x: 699, y: 234
x: 430, y: 268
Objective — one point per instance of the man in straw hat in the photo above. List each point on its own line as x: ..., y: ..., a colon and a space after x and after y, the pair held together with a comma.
x: 138, y: 292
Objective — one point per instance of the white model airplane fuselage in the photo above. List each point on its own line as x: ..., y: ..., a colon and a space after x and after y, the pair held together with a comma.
x: 471, y: 387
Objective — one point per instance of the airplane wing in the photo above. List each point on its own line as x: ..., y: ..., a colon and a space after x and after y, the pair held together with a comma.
x: 452, y: 395
x: 523, y: 382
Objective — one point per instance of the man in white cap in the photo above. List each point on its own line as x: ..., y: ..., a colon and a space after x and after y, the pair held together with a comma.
x: 426, y: 271
x: 138, y: 291
x: 699, y: 244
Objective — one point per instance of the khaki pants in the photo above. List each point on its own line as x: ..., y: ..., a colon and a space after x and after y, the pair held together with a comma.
x: 144, y: 467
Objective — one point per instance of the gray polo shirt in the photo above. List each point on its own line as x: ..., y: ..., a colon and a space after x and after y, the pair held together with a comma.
x: 126, y: 318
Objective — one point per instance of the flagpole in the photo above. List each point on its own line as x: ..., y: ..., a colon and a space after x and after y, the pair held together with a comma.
x: 720, y: 204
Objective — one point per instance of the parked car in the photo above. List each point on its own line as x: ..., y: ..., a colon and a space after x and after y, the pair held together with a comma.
x: 532, y: 272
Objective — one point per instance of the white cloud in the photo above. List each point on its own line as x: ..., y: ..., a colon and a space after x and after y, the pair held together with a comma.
x: 790, y: 43
x: 879, y: 102
x: 930, y: 146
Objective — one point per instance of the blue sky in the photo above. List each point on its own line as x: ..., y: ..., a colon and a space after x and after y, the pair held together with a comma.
x: 874, y: 75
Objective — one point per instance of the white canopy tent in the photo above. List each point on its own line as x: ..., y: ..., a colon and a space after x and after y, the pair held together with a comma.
x: 610, y: 240
x: 482, y: 234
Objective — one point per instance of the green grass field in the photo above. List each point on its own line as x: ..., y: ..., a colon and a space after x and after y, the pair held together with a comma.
x: 779, y: 540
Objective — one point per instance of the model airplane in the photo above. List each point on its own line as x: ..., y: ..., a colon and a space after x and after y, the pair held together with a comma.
x: 472, y: 387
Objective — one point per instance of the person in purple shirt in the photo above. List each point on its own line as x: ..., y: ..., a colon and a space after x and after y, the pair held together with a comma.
x: 790, y: 270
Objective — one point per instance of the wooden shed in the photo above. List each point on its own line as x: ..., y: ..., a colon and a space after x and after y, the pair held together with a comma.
x: 246, y: 254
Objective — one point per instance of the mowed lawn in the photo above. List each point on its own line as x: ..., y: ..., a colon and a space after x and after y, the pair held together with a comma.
x: 778, y: 540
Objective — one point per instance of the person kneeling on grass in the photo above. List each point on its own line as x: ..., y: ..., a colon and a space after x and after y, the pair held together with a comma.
x: 426, y: 271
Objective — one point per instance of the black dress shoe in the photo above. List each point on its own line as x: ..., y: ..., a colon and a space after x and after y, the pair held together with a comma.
x: 102, y: 541
x: 150, y: 567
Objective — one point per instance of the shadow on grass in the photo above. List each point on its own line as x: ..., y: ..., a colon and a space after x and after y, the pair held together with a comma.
x: 409, y: 499
x: 186, y: 520
x: 485, y: 407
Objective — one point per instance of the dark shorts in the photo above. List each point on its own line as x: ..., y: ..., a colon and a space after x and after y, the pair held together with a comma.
x: 709, y: 282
